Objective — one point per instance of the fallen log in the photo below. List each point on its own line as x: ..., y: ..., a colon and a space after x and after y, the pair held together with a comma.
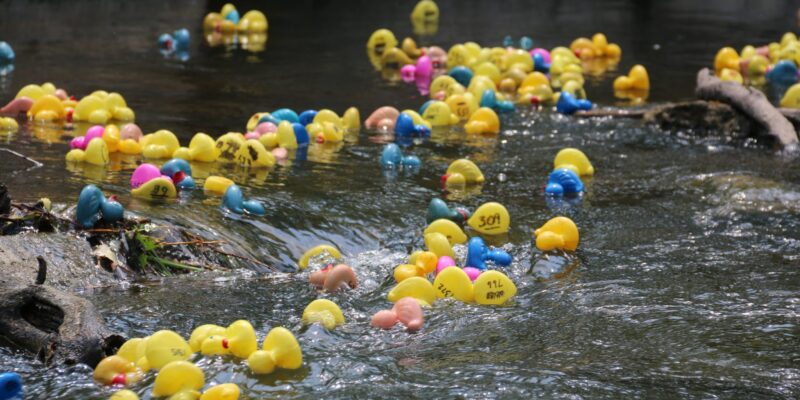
x: 58, y: 327
x: 748, y: 101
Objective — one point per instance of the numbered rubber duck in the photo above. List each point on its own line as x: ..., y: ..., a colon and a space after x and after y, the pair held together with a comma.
x: 334, y: 278
x: 483, y: 121
x: 253, y: 154
x: 233, y: 200
x: 438, y: 209
x: 490, y: 219
x: 438, y: 113
x: 489, y: 288
x: 416, y: 287
x: 392, y: 158
x: 148, y: 182
x: 478, y: 254
x: 101, y: 107
x: 420, y: 264
x: 323, y: 312
x: 378, y: 43
x: 573, y: 160
x: 563, y: 181
x: 324, y: 252
x: 559, y: 233
x: 568, y: 104
x: 96, y: 153
x: 279, y: 350
x: 93, y: 206
x: 462, y: 172
x: 164, y: 347
x: 180, y: 172
x: 406, y: 311
x: 183, y: 380
x: 238, y: 340
x: 116, y: 370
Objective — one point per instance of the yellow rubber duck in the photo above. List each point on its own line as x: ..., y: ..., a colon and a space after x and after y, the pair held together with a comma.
x: 180, y: 380
x: 324, y: 312
x: 558, y: 233
x: 164, y: 347
x: 444, y: 86
x: 254, y: 154
x: 463, y: 104
x: 228, y: 145
x: 448, y: 228
x: 379, y: 42
x: 216, y: 185
x: 201, y: 333
x: 317, y: 251
x: 731, y: 75
x: 726, y: 57
x: 351, y: 119
x: 116, y: 370
x: 483, y: 121
x: 438, y: 244
x: 462, y: 172
x: 201, y: 148
x: 253, y: 21
x: 637, y: 79
x: 225, y: 391
x: 425, y: 18
x: 421, y: 264
x: 239, y: 340
x: 438, y: 113
x: 417, y: 287
x: 101, y: 107
x: 96, y: 153
x: 490, y: 219
x: 133, y: 350
x: 124, y: 395
x: 47, y: 108
x: 280, y: 349
x: 490, y: 288
x: 8, y: 125
x: 573, y: 160
x: 161, y: 144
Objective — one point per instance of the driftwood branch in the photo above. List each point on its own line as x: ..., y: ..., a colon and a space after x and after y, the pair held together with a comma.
x: 748, y: 101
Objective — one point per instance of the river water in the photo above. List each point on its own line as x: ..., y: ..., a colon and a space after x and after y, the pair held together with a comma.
x: 686, y: 282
